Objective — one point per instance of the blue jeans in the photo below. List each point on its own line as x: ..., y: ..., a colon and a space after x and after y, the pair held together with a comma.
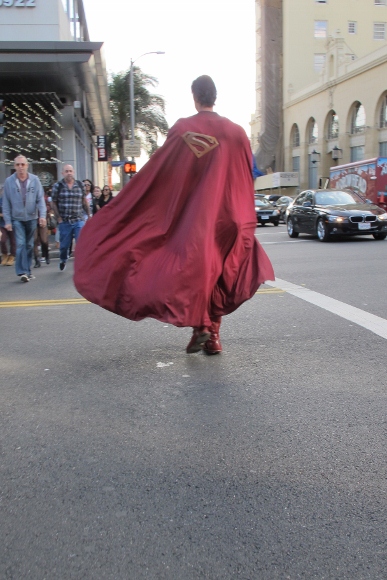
x: 24, y: 234
x: 66, y: 233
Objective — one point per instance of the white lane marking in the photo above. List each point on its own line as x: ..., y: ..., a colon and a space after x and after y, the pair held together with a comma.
x: 284, y: 242
x: 369, y: 321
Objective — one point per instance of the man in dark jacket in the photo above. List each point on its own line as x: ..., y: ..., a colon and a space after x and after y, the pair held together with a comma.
x: 23, y: 205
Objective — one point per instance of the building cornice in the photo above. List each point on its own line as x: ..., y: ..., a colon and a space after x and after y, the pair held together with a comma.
x: 360, y: 68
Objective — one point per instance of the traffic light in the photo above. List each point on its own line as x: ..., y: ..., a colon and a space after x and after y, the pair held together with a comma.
x: 3, y: 129
x: 130, y: 167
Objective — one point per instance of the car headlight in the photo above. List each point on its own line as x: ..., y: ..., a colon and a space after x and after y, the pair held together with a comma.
x: 335, y: 218
x: 382, y: 217
x: 275, y: 212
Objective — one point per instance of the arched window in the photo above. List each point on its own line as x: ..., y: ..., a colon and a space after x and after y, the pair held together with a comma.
x: 295, y: 136
x: 333, y: 125
x: 358, y: 119
x: 312, y: 132
x: 383, y: 113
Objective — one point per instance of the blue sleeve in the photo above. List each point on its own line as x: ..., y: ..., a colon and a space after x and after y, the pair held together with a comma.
x: 256, y: 172
x: 40, y: 201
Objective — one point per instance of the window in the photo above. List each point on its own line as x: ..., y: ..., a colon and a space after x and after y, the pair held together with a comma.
x: 379, y: 30
x: 320, y: 28
x: 333, y: 126
x: 321, y: 1
x: 383, y: 149
x: 383, y: 113
x: 319, y: 62
x: 296, y: 163
x: 295, y: 136
x: 357, y: 153
x: 313, y: 132
x: 380, y: 2
x: 358, y: 119
x: 352, y: 27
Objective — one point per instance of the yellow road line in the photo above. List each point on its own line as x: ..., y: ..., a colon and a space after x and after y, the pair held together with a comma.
x: 32, y: 303
x: 26, y: 303
x: 271, y: 291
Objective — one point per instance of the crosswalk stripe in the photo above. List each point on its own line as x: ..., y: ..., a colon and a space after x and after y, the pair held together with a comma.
x: 360, y: 317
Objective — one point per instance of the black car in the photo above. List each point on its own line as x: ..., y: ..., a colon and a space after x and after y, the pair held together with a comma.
x: 273, y: 197
x: 266, y: 212
x: 281, y: 204
x: 328, y: 212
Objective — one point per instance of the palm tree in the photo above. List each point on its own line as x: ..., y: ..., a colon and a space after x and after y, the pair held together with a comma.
x: 149, y: 110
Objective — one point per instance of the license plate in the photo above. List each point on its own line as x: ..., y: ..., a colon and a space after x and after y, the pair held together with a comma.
x: 266, y: 217
x: 365, y: 226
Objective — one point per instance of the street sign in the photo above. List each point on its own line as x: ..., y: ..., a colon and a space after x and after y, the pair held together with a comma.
x: 102, y: 147
x: 132, y: 149
x: 117, y: 163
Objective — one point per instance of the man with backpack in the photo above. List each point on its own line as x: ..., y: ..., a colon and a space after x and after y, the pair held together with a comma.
x: 69, y: 204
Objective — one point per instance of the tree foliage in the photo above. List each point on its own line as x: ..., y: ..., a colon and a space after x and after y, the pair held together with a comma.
x: 149, y: 110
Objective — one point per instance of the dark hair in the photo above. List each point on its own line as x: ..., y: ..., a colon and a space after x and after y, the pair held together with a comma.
x: 91, y: 184
x: 106, y: 185
x: 204, y: 91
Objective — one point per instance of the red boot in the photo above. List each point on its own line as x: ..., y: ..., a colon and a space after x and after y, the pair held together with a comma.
x: 199, y: 337
x: 212, y: 345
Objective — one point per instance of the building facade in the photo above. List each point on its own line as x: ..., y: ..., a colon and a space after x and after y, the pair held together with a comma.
x: 53, y: 90
x: 334, y: 87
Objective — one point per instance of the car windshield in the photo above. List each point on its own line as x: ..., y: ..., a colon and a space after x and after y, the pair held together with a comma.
x: 337, y: 198
x: 263, y: 203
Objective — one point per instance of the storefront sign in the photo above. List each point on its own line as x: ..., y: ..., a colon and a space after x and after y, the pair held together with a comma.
x: 18, y: 3
x: 102, y: 147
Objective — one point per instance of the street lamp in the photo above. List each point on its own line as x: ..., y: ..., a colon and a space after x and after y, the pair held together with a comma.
x: 336, y: 153
x: 315, y: 156
x: 131, y: 91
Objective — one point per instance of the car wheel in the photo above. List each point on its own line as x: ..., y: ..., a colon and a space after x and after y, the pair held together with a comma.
x: 263, y: 223
x: 380, y: 236
x: 290, y: 226
x: 322, y: 231
x: 276, y: 223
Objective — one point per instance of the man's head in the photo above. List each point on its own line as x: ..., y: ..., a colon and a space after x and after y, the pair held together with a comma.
x: 68, y: 173
x: 21, y: 166
x: 204, y: 92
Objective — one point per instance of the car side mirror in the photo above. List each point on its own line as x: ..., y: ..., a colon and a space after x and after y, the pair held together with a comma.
x: 307, y: 204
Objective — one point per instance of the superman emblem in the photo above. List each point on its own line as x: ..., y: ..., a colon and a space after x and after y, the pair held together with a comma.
x: 200, y: 144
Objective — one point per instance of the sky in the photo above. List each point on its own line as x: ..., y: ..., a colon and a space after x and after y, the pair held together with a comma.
x: 214, y: 37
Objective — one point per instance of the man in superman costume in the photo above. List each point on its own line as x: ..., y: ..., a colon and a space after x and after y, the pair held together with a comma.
x: 177, y: 244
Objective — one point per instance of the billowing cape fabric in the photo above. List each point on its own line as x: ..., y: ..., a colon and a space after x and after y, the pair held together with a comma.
x: 177, y: 244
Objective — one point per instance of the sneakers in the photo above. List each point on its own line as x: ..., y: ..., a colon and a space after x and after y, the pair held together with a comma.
x: 24, y: 278
x: 37, y: 263
x: 62, y: 266
x: 31, y: 277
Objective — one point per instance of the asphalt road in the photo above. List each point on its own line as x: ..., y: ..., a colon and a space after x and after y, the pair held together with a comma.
x: 124, y: 458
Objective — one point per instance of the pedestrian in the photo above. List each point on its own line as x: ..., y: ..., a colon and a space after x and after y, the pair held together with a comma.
x: 89, y: 191
x: 96, y: 195
x: 178, y: 243
x: 106, y: 196
x: 41, y: 238
x: 23, y: 202
x: 8, y: 244
x: 69, y: 204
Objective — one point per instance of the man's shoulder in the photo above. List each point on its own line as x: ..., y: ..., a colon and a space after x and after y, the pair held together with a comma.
x: 10, y: 179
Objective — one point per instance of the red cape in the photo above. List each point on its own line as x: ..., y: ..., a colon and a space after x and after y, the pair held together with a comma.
x: 177, y: 244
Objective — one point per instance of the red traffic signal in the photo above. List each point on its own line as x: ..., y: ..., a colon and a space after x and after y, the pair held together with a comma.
x: 130, y: 167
